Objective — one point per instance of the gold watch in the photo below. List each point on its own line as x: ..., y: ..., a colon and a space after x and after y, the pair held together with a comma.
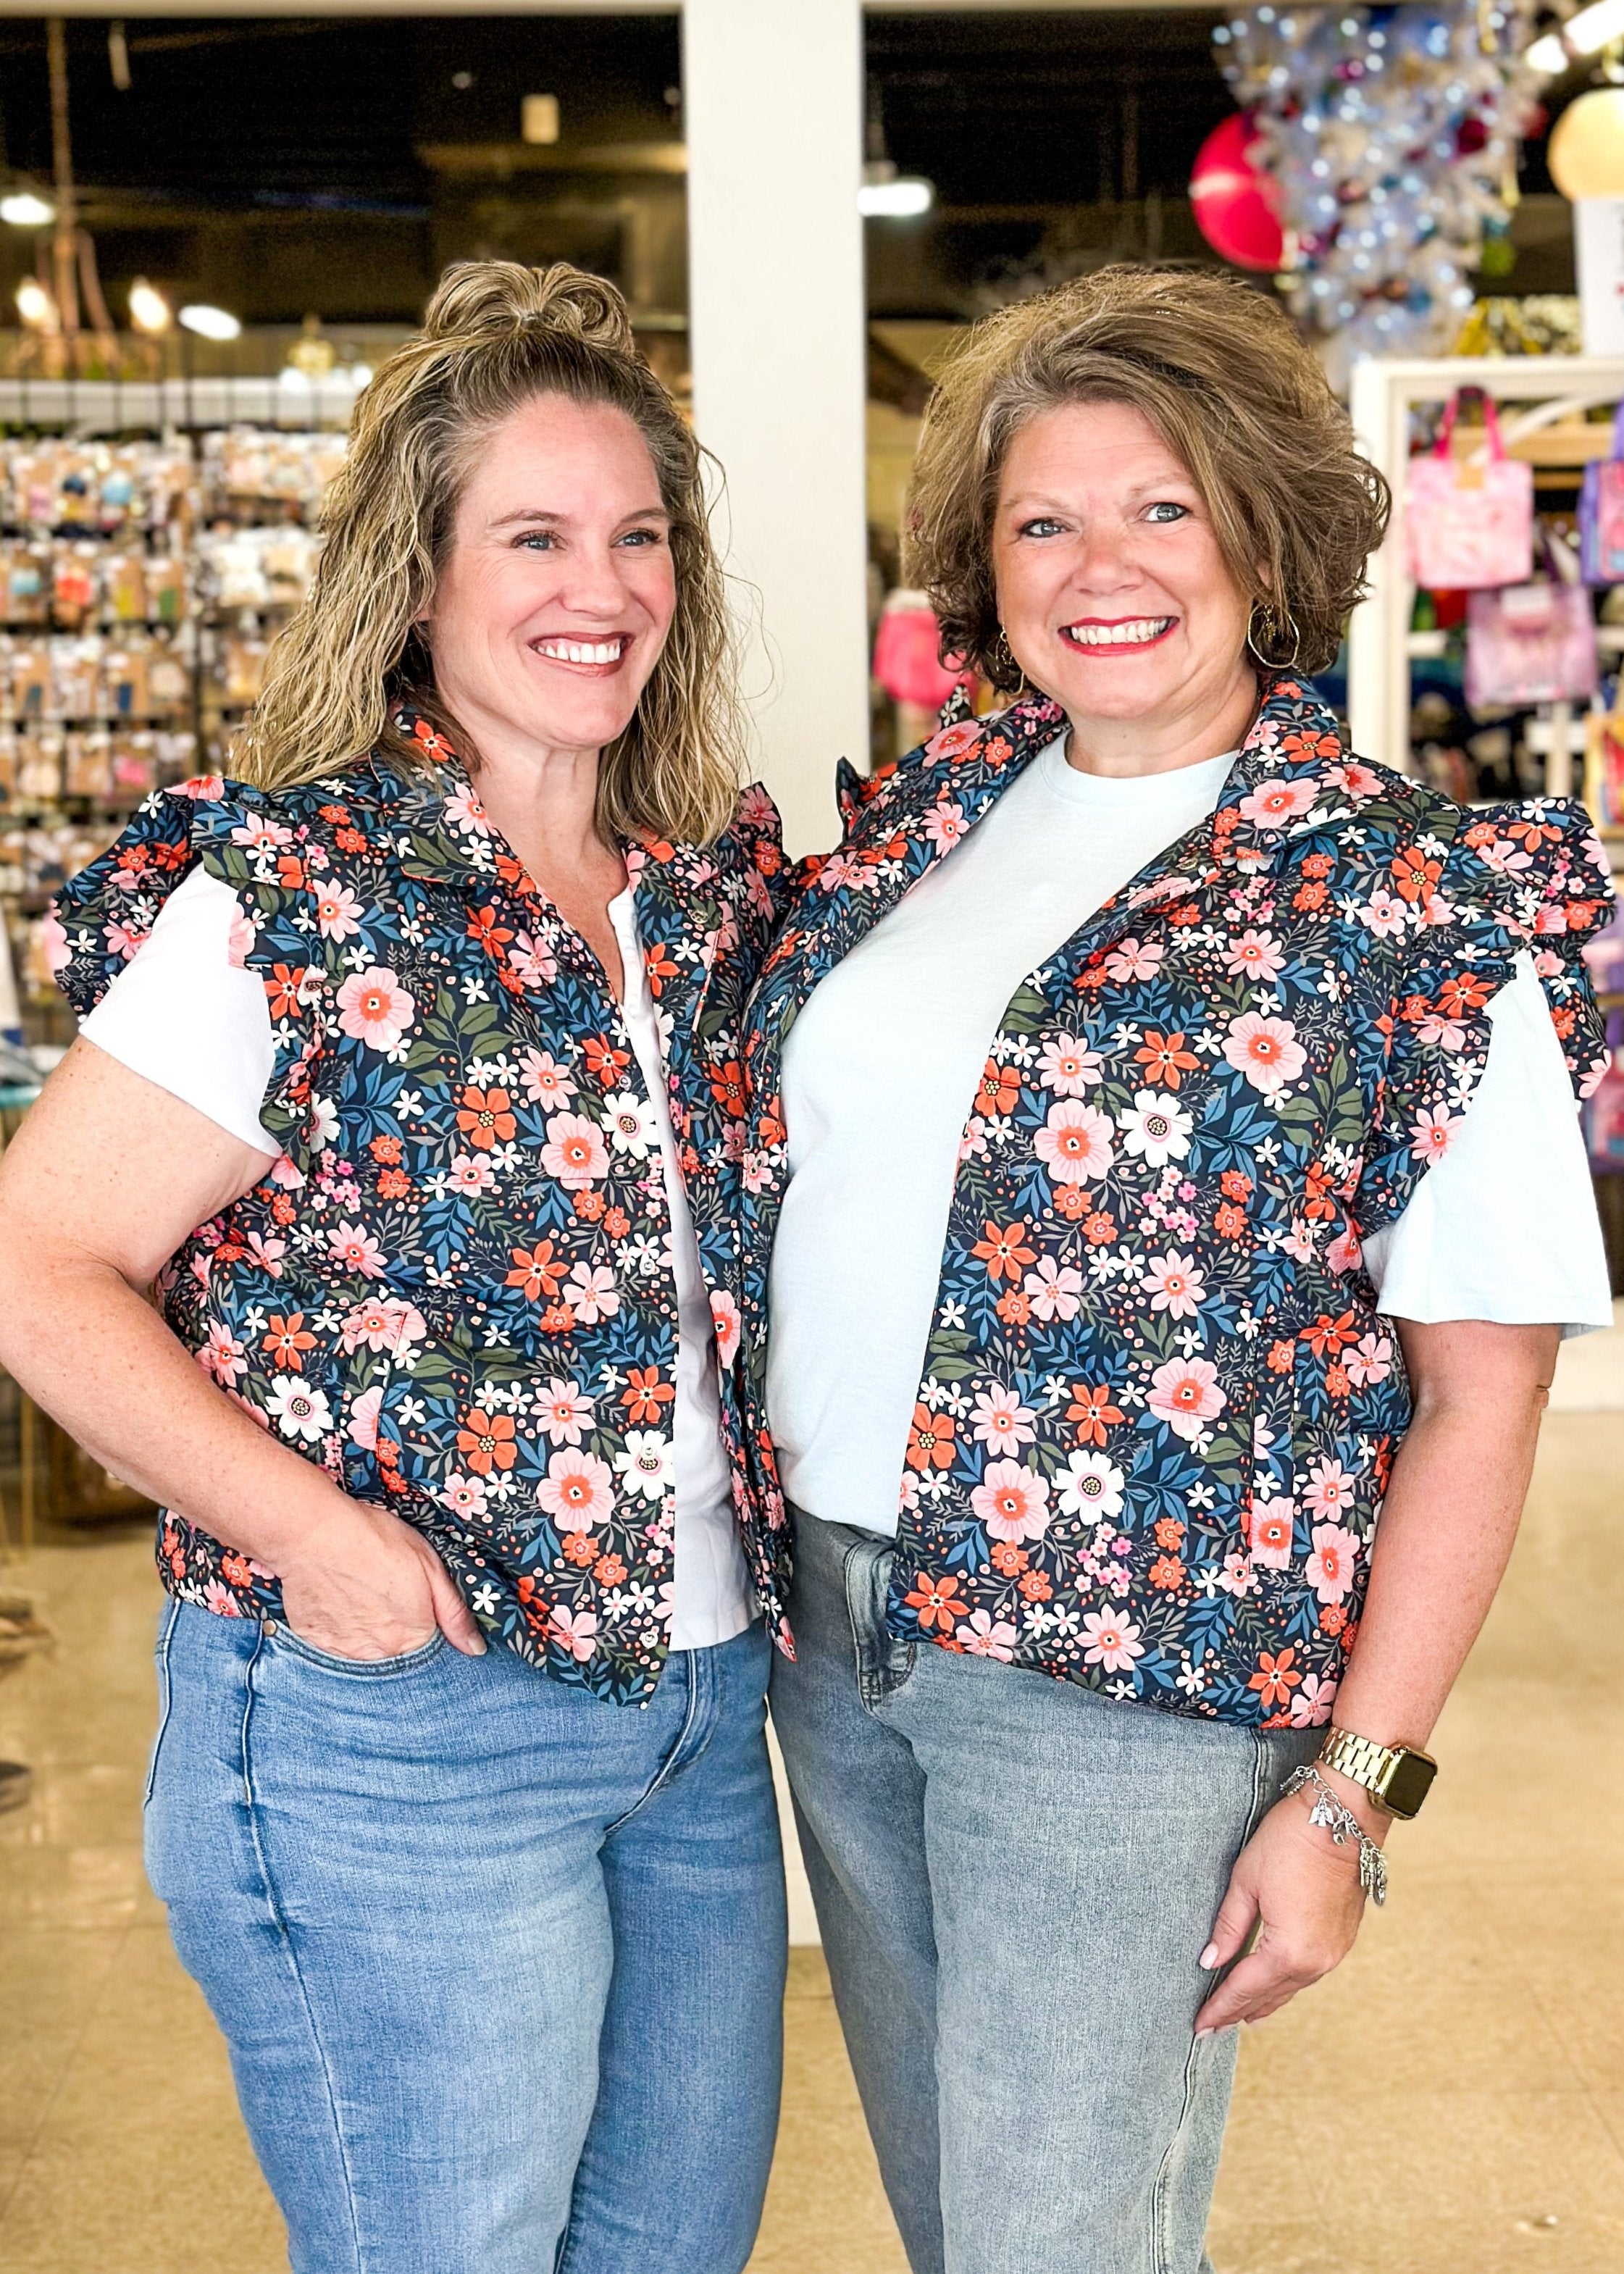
x: 1398, y: 1776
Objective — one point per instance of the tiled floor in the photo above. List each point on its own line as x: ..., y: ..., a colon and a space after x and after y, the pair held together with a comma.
x: 1452, y: 2101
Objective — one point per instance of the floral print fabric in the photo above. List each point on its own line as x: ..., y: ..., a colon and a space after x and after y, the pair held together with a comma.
x: 1159, y: 1410
x: 455, y: 1290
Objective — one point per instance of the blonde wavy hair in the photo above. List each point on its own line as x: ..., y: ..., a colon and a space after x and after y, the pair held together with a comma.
x: 1222, y: 374
x: 495, y: 335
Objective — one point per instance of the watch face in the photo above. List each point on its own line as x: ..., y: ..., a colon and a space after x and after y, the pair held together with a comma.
x: 1410, y: 1783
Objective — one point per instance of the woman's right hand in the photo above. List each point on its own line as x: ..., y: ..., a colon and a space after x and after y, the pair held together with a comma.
x: 364, y: 1584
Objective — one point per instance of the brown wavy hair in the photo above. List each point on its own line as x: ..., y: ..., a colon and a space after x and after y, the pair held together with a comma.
x: 495, y: 335
x: 1221, y: 372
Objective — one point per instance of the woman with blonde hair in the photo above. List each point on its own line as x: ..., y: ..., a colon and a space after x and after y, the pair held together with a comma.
x: 1148, y: 1099
x: 409, y: 1077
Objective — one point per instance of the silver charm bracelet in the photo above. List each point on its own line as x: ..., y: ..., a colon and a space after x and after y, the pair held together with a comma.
x: 1343, y: 1825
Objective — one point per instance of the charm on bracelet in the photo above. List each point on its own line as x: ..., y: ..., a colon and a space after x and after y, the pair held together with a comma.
x: 1343, y: 1826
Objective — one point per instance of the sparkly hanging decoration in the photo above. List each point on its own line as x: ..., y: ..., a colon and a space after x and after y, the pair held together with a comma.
x: 1392, y: 134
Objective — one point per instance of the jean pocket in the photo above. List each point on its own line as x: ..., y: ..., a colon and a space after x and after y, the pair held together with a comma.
x: 286, y: 1643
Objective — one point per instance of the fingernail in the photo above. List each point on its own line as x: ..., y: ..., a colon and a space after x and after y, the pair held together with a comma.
x: 478, y: 1646
x: 1208, y: 1958
x: 1205, y: 2033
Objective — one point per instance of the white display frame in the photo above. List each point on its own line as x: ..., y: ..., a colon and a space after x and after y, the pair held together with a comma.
x: 1381, y: 396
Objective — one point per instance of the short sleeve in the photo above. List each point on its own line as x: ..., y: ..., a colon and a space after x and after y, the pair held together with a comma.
x: 185, y: 1014
x: 1503, y: 1225
x: 1514, y: 881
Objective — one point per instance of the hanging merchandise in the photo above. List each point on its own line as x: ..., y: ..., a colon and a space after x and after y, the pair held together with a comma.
x: 1604, y: 1112
x: 1603, y: 769
x: 1470, y: 521
x: 1391, y: 133
x: 1533, y: 643
x: 907, y: 653
x: 1601, y: 513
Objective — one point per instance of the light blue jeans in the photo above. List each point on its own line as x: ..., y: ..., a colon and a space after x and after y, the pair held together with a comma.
x: 499, y: 1966
x: 1014, y: 1879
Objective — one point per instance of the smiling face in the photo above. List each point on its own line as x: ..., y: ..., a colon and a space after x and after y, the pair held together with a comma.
x: 558, y: 590
x: 1112, y: 591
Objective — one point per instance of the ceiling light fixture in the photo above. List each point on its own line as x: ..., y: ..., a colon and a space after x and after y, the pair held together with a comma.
x: 210, y: 323
x: 886, y: 194
x: 24, y: 210
x: 1587, y: 33
x: 37, y: 307
x: 150, y: 311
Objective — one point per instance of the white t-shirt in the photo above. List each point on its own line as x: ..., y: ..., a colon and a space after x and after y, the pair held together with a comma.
x: 192, y: 1019
x: 880, y: 1069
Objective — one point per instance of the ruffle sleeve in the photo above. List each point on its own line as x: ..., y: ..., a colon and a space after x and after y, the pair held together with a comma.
x: 100, y: 920
x: 1515, y: 878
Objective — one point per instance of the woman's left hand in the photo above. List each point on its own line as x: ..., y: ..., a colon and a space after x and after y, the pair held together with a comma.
x: 1305, y: 1890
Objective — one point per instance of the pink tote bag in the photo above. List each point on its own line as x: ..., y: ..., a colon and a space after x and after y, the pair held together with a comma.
x: 1471, y: 526
x: 1531, y: 644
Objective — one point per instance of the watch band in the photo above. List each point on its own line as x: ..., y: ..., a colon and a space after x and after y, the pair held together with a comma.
x: 1398, y: 1776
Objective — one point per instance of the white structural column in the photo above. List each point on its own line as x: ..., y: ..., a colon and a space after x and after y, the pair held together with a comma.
x: 772, y: 102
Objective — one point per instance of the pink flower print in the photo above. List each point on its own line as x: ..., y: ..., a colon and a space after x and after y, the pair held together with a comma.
x: 543, y: 1080
x: 262, y: 834
x: 471, y: 1174
x: 563, y: 1411
x: 1255, y: 955
x: 725, y: 1317
x: 363, y: 1418
x: 1012, y: 1502
x: 1266, y: 1050
x: 1074, y: 1143
x: 354, y: 1249
x: 1174, y: 1283
x: 985, y: 1637
x: 374, y: 1008
x: 222, y: 1357
x: 1054, y: 1290
x: 591, y: 1293
x: 944, y: 825
x: 1270, y: 1533
x: 1385, y: 913
x: 54, y: 943
x: 239, y: 941
x: 532, y: 965
x: 1354, y: 781
x: 1329, y: 1569
x: 125, y: 940
x: 203, y: 789
x: 384, y: 1323
x: 574, y: 1152
x: 1371, y: 1360
x: 1441, y: 1034
x: 1431, y: 1134
x: 1344, y: 1254
x: 266, y: 1254
x: 576, y: 1631
x: 464, y: 811
x: 1331, y: 1489
x: 578, y: 1489
x: 1277, y: 803
x: 1000, y: 1421
x: 951, y: 741
x: 338, y: 912
x: 1068, y: 1066
x: 1113, y: 1641
x: 464, y: 1496
x: 1185, y: 1394
x: 218, y: 1598
x: 1311, y: 1706
x: 1132, y: 958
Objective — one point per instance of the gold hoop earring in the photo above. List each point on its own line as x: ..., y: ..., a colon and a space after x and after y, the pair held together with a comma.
x: 1271, y: 631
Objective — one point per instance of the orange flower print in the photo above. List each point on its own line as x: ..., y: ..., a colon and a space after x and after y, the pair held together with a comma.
x: 1165, y: 1060
x: 1275, y: 1678
x: 537, y: 1271
x: 484, y: 1118
x: 1003, y: 1249
x: 485, y: 1440
x: 1000, y: 1090
x: 937, y: 1601
x: 645, y: 1393
x: 286, y: 1342
x: 1094, y: 1410
x: 930, y: 1440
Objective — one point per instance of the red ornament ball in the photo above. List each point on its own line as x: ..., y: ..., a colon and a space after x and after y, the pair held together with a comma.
x: 1234, y: 198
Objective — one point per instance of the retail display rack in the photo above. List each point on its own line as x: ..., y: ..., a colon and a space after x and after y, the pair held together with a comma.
x: 152, y: 538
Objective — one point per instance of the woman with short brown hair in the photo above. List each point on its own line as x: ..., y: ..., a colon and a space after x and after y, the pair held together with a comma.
x: 1147, y: 1096
x: 409, y: 1073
